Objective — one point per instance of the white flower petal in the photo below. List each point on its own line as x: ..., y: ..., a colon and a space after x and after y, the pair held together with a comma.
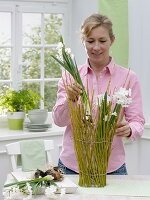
x: 50, y: 190
x: 100, y: 98
x: 59, y: 46
x: 114, y: 113
x: 68, y: 50
x: 122, y: 97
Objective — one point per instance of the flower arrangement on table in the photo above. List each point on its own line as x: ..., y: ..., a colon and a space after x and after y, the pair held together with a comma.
x: 25, y: 189
x: 93, y: 131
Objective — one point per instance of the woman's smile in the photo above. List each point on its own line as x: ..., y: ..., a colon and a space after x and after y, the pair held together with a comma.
x: 97, y: 53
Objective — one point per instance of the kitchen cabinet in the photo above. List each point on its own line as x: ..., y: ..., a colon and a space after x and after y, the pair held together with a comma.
x: 137, y: 154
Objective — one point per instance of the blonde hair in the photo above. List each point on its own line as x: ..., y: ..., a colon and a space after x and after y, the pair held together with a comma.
x: 94, y: 21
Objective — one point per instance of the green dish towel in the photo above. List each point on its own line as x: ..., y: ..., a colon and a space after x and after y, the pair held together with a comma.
x: 33, y: 155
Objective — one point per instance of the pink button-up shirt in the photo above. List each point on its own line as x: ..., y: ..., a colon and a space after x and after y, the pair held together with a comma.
x: 133, y: 113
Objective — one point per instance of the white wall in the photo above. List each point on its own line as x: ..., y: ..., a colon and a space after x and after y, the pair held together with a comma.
x: 81, y: 9
x: 139, y: 50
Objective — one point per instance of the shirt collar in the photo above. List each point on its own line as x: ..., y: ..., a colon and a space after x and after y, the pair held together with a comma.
x: 109, y: 68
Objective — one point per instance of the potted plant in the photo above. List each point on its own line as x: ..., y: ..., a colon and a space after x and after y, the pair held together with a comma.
x: 16, y: 104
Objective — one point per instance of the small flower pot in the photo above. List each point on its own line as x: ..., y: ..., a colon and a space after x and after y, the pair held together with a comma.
x: 15, y: 120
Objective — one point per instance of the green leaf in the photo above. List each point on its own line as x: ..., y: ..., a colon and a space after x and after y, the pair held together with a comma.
x: 22, y: 100
x: 61, y: 63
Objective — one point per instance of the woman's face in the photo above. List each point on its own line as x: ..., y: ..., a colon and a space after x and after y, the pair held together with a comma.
x: 97, y: 45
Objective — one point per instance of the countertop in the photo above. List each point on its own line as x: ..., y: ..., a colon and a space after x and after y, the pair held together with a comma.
x: 6, y: 134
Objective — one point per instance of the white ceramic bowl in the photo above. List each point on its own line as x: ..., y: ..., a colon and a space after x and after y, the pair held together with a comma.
x: 36, y: 111
x: 38, y: 117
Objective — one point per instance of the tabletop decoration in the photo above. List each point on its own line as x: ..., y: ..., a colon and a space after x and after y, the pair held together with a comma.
x: 93, y: 123
x: 39, y: 181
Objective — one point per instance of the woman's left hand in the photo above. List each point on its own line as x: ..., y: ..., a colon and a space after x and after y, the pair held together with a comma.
x: 123, y: 129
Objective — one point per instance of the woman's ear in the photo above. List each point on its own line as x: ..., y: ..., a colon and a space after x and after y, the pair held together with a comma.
x: 112, y: 40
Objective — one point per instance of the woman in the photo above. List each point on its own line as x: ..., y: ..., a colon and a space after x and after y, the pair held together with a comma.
x: 97, y: 38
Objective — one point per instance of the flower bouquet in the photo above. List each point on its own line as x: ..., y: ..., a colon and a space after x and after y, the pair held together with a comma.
x: 93, y: 124
x: 35, y: 185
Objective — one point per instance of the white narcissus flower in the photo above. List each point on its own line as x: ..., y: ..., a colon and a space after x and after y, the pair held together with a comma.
x: 123, y: 92
x: 72, y: 56
x: 28, y: 191
x: 59, y: 56
x: 48, y: 178
x: 100, y: 98
x: 6, y: 194
x: 50, y: 191
x: 114, y: 113
x: 122, y: 97
x: 68, y: 51
x: 13, y: 193
x: 124, y: 102
x: 60, y: 46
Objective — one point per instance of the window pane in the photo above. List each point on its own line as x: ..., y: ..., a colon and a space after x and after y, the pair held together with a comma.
x: 34, y: 86
x: 53, y: 28
x: 52, y: 68
x: 5, y: 28
x: 31, y: 63
x: 50, y: 94
x: 5, y: 56
x: 31, y: 26
x: 3, y: 87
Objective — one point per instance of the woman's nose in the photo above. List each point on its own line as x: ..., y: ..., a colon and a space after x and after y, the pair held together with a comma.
x: 97, y: 46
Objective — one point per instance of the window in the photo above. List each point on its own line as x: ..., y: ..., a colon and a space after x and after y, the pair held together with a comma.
x: 28, y: 36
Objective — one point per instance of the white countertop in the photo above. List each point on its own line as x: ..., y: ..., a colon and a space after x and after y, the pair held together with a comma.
x: 6, y: 134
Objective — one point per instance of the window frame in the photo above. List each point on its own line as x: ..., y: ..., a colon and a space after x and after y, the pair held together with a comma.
x: 17, y: 8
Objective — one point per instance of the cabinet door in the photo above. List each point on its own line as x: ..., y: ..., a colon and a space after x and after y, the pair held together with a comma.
x: 132, y: 157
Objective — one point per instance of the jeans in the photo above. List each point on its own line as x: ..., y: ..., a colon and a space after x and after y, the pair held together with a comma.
x: 121, y: 171
x: 64, y: 169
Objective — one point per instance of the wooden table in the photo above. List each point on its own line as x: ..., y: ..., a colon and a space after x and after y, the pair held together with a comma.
x: 91, y: 196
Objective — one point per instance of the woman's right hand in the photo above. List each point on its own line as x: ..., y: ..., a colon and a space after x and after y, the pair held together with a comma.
x: 74, y: 91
